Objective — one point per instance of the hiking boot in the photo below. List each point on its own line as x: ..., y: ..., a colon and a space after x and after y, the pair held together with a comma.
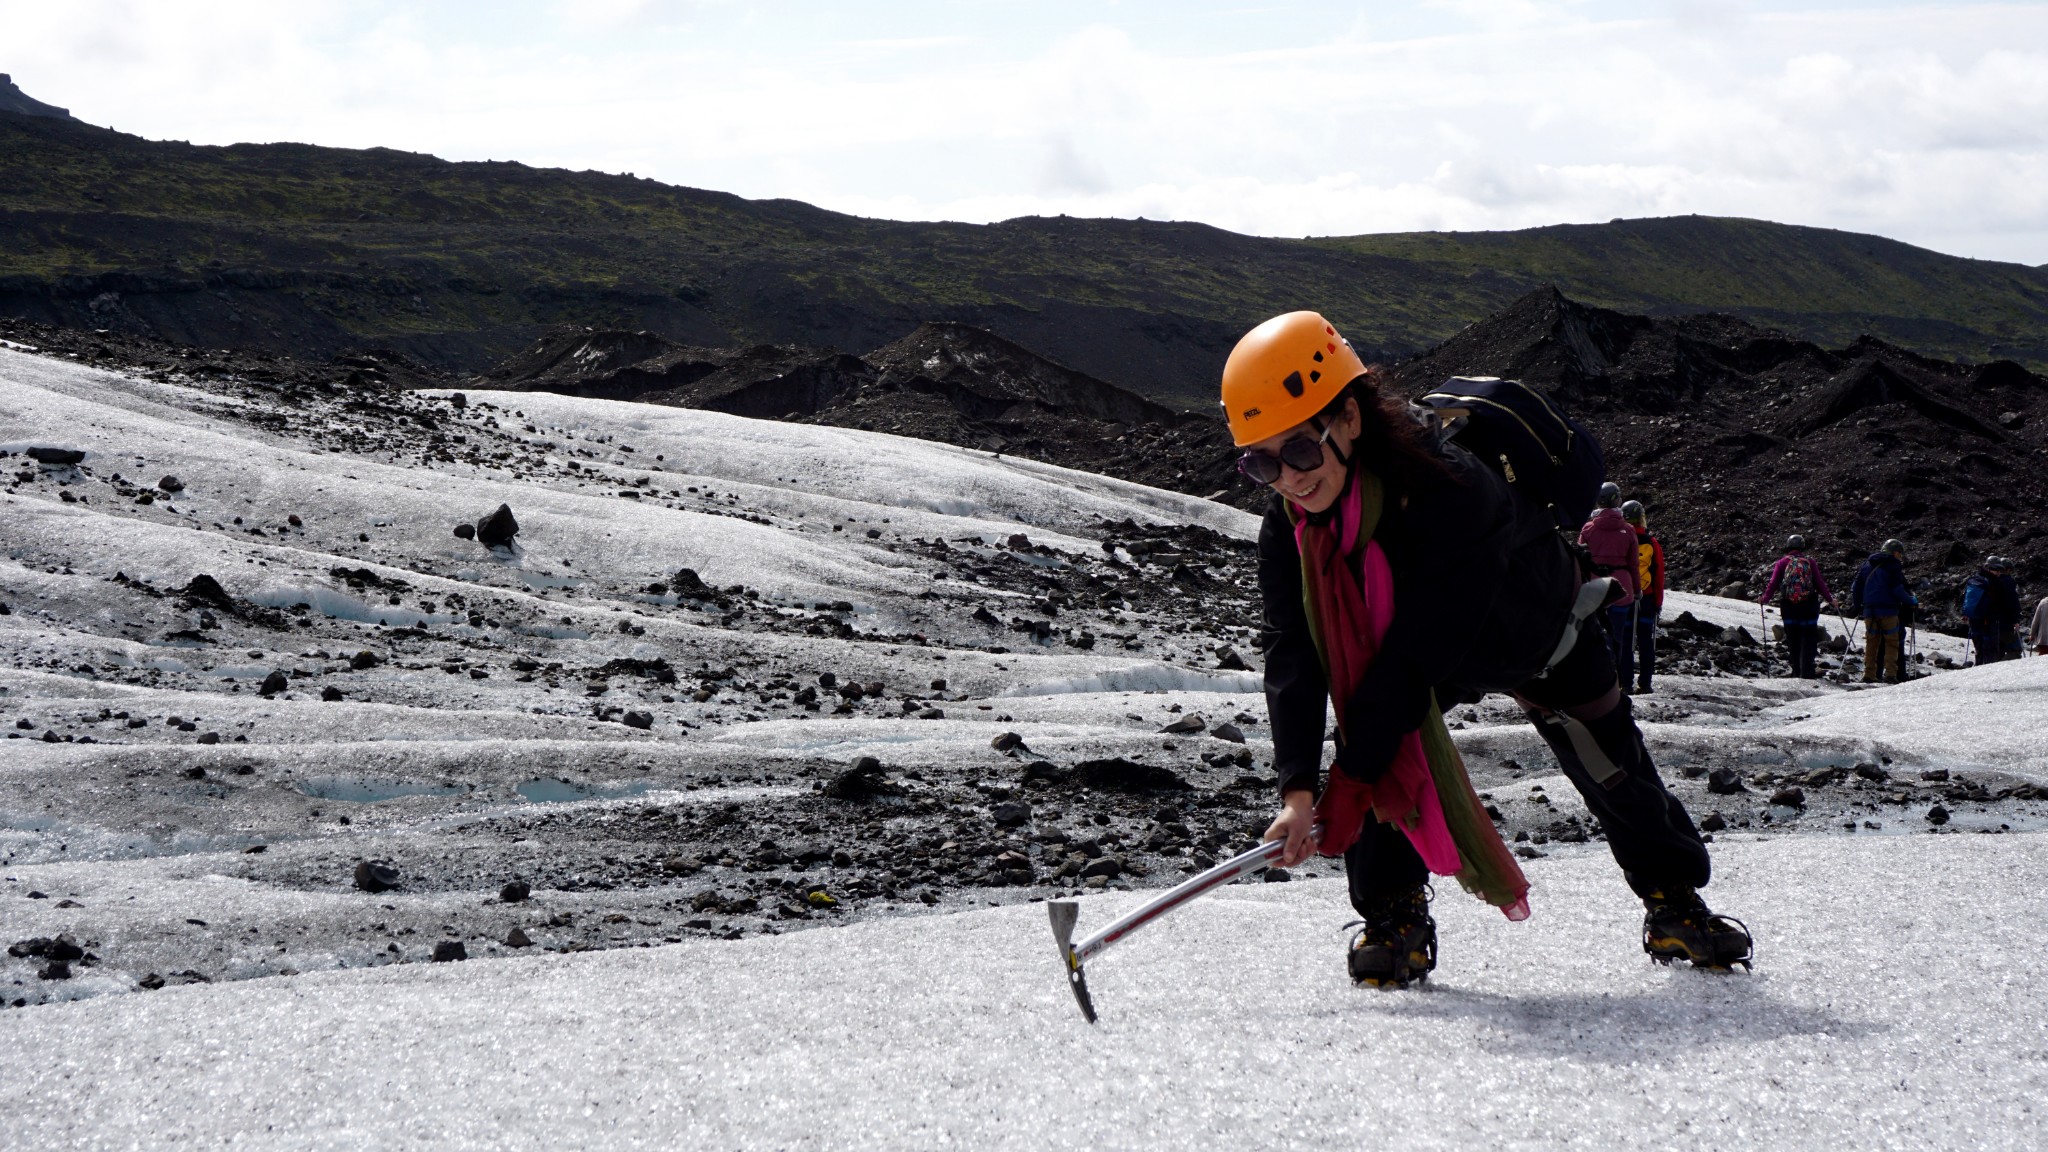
x: 1681, y: 927
x: 1396, y: 942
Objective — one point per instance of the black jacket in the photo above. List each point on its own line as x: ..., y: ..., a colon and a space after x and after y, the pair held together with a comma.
x: 1483, y: 586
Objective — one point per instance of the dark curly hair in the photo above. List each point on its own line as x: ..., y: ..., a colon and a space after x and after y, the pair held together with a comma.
x: 1398, y: 447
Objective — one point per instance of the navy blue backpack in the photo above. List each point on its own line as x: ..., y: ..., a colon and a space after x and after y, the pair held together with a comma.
x: 1542, y: 452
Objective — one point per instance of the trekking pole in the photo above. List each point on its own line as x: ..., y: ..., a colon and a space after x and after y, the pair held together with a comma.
x: 1848, y: 629
x: 1764, y: 625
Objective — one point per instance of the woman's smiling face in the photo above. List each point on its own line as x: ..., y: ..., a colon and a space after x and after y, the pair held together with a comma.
x: 1317, y: 489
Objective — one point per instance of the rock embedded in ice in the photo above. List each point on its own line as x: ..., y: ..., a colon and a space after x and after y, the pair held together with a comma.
x: 205, y: 587
x: 1107, y: 867
x: 171, y: 484
x: 1229, y: 732
x: 1937, y: 815
x: 330, y: 694
x: 447, y: 950
x: 1117, y: 774
x: 1228, y: 660
x: 497, y: 529
x: 1789, y: 798
x: 1186, y: 725
x: 1010, y: 813
x: 1714, y: 822
x: 1724, y: 782
x: 465, y: 531
x: 517, y: 938
x: 515, y: 891
x: 275, y: 683
x: 640, y: 720
x: 375, y: 876
x: 55, y: 456
x: 1007, y: 741
x: 862, y: 779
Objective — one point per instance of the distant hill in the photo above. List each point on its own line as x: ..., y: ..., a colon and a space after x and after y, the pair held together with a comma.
x: 289, y: 247
x: 13, y: 99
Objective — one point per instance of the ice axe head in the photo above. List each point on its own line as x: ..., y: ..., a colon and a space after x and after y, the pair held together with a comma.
x: 1064, y: 914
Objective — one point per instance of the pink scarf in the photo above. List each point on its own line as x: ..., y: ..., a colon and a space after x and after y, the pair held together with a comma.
x: 1349, y: 617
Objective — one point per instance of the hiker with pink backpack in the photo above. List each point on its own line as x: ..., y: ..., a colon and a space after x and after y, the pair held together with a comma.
x: 1801, y: 590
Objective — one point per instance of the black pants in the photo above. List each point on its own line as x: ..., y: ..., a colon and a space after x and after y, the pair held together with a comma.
x: 1990, y: 647
x: 1648, y: 830
x: 1802, y: 642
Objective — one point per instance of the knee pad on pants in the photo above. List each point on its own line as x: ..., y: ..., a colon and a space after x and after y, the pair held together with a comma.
x: 1607, y: 749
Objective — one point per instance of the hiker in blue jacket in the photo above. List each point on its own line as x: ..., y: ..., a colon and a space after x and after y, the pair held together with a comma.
x: 2008, y: 609
x: 1881, y: 593
x: 1991, y: 607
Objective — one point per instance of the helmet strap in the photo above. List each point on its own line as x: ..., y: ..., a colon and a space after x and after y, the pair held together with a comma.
x: 1331, y: 445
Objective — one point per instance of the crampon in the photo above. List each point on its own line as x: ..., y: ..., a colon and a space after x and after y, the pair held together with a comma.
x: 1395, y: 943
x: 1682, y: 927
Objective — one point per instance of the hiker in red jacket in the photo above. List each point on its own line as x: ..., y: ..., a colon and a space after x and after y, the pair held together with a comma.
x: 1401, y: 575
x: 1611, y: 541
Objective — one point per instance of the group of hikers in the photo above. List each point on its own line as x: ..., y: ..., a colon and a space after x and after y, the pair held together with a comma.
x: 1619, y: 540
x: 1886, y: 604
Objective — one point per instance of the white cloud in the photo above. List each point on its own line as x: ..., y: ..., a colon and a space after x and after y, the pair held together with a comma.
x: 1929, y: 123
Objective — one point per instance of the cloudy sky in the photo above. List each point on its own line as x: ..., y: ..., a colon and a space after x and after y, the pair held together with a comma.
x: 1926, y: 122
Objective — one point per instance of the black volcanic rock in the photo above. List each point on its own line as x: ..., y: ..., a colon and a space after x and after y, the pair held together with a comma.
x: 206, y: 588
x: 1735, y: 436
x: 945, y: 382
x: 497, y: 529
x: 13, y: 99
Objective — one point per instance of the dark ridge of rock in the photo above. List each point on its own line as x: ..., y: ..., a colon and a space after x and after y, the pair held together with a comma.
x: 13, y: 99
x: 945, y: 382
x: 767, y: 382
x: 55, y: 457
x: 986, y: 377
x: 1734, y: 436
x: 1873, y: 384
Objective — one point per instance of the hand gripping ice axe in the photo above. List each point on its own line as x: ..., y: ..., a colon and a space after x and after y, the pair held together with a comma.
x: 1066, y: 912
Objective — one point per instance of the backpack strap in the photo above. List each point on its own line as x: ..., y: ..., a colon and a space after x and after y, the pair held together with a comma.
x: 1593, y: 595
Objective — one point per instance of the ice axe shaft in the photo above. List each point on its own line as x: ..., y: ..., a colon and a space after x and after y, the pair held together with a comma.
x: 1066, y: 912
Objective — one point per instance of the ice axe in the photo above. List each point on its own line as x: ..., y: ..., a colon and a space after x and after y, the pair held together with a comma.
x: 1066, y: 912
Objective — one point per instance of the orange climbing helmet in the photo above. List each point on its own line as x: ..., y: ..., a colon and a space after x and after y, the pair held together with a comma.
x: 1283, y: 372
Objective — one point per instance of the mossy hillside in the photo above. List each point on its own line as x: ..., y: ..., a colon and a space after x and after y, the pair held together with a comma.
x: 311, y: 249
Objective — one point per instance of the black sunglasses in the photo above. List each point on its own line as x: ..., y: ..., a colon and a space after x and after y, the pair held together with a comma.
x: 1301, y: 453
